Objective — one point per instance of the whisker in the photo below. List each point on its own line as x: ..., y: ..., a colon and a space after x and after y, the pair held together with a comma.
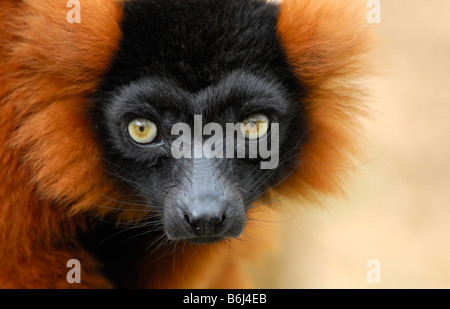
x: 121, y: 209
x: 128, y: 202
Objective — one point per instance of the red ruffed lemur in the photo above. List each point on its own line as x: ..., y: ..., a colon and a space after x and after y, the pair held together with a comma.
x: 87, y: 111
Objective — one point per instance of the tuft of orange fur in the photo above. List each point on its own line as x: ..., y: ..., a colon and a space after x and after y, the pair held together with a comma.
x: 52, y: 178
x: 50, y: 161
x: 326, y: 43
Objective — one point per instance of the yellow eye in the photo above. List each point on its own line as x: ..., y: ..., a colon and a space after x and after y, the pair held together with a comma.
x: 255, y: 126
x: 142, y: 131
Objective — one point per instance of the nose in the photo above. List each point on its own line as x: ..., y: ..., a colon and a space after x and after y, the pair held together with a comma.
x: 209, y: 222
x: 205, y: 207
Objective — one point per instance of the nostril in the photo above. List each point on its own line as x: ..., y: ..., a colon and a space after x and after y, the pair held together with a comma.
x: 217, y: 223
x: 214, y: 221
x: 193, y: 224
x: 187, y: 219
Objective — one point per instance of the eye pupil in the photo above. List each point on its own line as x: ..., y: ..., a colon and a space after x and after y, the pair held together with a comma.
x: 141, y: 129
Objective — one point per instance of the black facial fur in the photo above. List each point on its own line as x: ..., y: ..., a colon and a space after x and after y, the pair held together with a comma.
x: 217, y: 58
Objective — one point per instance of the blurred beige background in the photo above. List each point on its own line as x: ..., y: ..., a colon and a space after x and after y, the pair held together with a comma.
x: 398, y: 210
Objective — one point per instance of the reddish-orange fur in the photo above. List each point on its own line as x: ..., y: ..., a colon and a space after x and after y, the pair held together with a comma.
x: 326, y: 42
x: 51, y: 180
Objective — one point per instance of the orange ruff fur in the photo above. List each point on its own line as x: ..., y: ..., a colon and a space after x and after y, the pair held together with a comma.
x: 51, y: 176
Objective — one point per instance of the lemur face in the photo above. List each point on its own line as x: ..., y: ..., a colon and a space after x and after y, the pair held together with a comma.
x: 225, y: 69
